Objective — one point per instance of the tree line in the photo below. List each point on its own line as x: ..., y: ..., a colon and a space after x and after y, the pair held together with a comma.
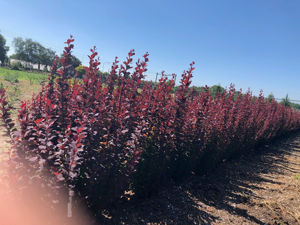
x: 29, y: 51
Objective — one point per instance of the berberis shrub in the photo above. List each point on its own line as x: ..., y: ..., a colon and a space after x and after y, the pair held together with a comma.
x: 98, y: 139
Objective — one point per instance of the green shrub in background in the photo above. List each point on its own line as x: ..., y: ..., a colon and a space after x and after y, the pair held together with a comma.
x: 11, y: 77
x: 80, y: 71
x: 13, y: 94
x: 45, y: 69
x: 16, y: 66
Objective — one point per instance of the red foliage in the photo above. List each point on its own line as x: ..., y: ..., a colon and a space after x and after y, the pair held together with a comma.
x: 91, y: 137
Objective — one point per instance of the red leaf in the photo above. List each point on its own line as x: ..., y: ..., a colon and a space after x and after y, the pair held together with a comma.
x: 38, y: 121
x: 79, y: 130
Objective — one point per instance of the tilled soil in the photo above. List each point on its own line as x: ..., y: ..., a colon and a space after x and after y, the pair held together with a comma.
x: 261, y: 187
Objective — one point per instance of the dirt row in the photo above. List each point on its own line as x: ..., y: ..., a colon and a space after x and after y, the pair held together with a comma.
x: 261, y: 187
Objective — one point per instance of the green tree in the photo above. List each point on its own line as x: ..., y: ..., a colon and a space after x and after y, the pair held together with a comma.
x: 270, y: 97
x: 216, y: 89
x: 295, y: 106
x: 3, y: 50
x: 286, y: 101
x: 32, y: 51
x: 75, y: 61
x: 46, y: 56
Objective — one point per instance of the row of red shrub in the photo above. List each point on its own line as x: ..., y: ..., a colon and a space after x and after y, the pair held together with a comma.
x: 99, y: 139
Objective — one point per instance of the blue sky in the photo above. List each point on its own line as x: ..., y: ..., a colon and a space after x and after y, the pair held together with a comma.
x: 253, y: 44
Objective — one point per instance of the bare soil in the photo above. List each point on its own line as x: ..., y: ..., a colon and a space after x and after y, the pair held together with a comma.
x: 261, y: 187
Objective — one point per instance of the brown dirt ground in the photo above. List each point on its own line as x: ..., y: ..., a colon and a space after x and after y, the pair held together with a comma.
x: 261, y: 187
x: 4, y: 143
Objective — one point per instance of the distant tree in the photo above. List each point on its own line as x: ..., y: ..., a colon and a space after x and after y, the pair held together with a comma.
x: 270, y: 97
x: 76, y: 62
x: 32, y: 51
x: 216, y: 89
x: 46, y: 56
x: 104, y: 76
x: 295, y: 106
x: 286, y: 101
x: 196, y: 90
x: 25, y: 50
x: 3, y: 50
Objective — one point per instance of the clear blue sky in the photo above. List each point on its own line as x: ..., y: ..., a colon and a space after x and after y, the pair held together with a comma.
x: 252, y: 44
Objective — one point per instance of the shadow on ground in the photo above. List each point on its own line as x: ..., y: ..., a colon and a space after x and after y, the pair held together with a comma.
x: 201, y: 199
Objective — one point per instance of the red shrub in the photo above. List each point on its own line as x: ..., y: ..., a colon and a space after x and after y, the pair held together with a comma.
x: 96, y: 138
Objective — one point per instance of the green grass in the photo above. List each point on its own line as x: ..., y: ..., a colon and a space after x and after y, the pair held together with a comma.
x: 20, y: 86
x: 32, y: 77
x: 297, y: 176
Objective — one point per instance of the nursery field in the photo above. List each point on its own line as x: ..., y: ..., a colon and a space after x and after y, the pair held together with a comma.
x: 135, y: 153
x: 20, y: 85
x: 254, y: 189
x: 259, y: 188
x: 12, y: 75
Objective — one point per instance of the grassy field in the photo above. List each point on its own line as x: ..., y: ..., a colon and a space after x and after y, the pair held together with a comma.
x: 20, y: 85
x: 33, y: 77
